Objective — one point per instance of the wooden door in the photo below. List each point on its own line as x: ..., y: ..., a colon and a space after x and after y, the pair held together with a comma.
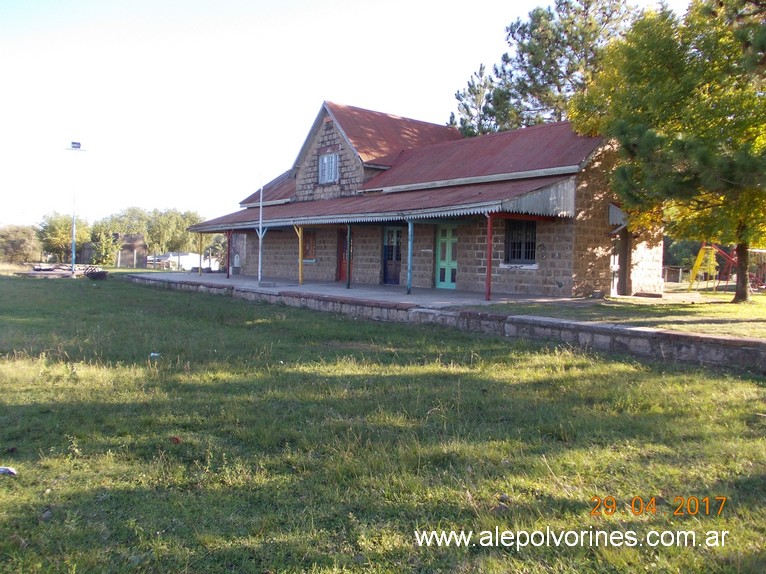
x: 619, y: 263
x: 343, y: 262
x: 392, y: 255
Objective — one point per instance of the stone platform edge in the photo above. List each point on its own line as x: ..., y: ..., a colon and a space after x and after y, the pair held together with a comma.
x: 662, y: 345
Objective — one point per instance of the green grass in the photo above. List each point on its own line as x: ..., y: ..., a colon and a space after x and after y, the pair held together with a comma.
x: 11, y: 268
x: 713, y: 314
x: 269, y: 439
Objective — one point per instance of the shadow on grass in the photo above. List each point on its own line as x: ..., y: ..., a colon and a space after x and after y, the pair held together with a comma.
x: 275, y: 439
x: 278, y: 471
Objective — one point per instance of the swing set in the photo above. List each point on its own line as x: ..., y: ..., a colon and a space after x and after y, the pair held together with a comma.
x: 706, y: 261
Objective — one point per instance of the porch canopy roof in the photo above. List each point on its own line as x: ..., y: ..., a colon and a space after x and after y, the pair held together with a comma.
x: 548, y: 196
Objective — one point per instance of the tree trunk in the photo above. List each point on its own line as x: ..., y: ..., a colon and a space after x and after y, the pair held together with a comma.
x: 742, y: 294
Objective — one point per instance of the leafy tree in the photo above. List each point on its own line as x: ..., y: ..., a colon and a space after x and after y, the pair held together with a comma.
x: 105, y: 242
x: 474, y: 106
x: 554, y: 54
x: 56, y: 234
x: 167, y: 231
x: 184, y: 240
x: 686, y: 108
x: 217, y: 249
x: 19, y: 243
x: 680, y: 252
x: 133, y: 220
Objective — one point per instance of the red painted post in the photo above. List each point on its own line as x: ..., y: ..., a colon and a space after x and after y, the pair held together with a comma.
x: 488, y: 282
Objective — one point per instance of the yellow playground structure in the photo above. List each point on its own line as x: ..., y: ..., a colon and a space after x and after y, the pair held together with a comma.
x: 707, y: 263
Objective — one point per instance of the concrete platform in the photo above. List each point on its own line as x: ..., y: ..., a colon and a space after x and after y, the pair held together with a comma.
x: 425, y: 298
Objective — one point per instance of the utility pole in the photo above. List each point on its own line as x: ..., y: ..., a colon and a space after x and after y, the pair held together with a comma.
x: 75, y: 146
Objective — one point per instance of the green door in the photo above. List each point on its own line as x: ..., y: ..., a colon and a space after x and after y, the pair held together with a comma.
x: 446, y: 256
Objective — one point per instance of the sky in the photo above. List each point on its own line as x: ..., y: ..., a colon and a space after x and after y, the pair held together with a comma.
x: 194, y: 104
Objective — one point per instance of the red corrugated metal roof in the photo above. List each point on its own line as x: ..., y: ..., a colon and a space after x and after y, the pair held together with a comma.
x: 379, y: 138
x: 478, y: 198
x: 474, y: 175
x: 280, y: 188
x: 542, y: 147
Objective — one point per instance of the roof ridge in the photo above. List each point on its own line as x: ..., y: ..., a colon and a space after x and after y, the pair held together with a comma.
x: 390, y: 115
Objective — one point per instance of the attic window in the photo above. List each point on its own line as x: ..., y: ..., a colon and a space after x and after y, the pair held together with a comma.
x: 328, y: 168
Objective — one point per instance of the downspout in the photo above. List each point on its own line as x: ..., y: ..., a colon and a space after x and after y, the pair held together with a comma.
x: 488, y: 280
x: 410, y: 241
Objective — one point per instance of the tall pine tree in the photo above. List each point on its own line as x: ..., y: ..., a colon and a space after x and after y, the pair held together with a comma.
x: 553, y: 54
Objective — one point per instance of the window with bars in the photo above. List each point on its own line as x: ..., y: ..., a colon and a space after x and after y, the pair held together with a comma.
x: 520, y: 242
x: 328, y: 168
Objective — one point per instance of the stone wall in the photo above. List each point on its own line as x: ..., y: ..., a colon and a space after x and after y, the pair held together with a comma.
x: 551, y: 275
x: 324, y: 266
x: 591, y: 270
x: 366, y: 254
x: 718, y: 351
x: 423, y: 256
x: 280, y: 254
x: 328, y: 140
x: 646, y: 263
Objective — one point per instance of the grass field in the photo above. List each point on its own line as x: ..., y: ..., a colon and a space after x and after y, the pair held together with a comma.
x: 713, y: 314
x: 269, y: 439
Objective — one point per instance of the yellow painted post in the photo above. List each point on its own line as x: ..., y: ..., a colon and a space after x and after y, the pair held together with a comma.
x: 299, y: 231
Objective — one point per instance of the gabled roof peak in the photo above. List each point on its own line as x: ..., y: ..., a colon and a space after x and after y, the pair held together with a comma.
x: 378, y: 137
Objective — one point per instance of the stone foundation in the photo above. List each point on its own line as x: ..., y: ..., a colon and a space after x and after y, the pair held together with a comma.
x: 727, y: 352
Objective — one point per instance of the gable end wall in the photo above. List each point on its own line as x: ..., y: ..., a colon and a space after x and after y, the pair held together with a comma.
x: 328, y: 139
x: 592, y: 272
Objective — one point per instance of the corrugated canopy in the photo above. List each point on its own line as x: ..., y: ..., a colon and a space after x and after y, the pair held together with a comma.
x: 550, y: 196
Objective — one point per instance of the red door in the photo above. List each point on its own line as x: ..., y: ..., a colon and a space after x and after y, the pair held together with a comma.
x: 343, y: 263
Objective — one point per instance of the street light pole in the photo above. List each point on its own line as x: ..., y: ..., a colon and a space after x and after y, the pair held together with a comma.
x: 260, y: 234
x: 74, y: 226
x: 75, y: 146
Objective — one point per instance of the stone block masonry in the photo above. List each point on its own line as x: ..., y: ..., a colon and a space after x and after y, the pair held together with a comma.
x: 653, y: 344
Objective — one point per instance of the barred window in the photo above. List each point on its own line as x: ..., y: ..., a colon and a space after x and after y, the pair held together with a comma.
x: 520, y: 241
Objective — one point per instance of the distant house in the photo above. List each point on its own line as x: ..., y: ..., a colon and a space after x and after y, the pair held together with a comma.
x: 133, y: 251
x: 379, y: 199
